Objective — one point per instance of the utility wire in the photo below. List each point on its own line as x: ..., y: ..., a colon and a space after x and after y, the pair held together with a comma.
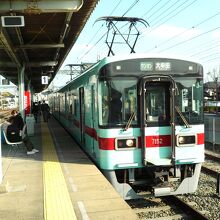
x: 165, y: 10
x: 210, y: 60
x: 193, y: 27
x: 177, y: 13
x: 134, y: 3
x: 185, y: 41
x: 209, y: 55
x: 203, y: 45
x: 151, y: 8
x: 170, y: 12
x: 202, y: 51
x: 116, y: 7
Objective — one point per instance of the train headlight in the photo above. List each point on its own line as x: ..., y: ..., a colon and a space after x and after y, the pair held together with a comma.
x: 181, y: 140
x: 125, y: 143
x: 186, y: 140
x: 130, y: 142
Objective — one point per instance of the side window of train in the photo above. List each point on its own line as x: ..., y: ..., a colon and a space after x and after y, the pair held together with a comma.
x: 105, y: 103
x: 66, y: 101
x: 75, y: 100
x: 70, y: 104
x: 190, y: 101
x: 130, y: 97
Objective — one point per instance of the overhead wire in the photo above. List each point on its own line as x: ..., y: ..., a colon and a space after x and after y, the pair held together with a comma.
x: 192, y: 38
x: 209, y: 55
x: 154, y: 13
x: 165, y: 10
x: 201, y: 52
x: 132, y: 5
x: 174, y: 10
x: 151, y: 8
x: 185, y: 31
x: 204, y: 50
x: 172, y: 16
x: 162, y: 21
x: 210, y: 60
x: 179, y: 11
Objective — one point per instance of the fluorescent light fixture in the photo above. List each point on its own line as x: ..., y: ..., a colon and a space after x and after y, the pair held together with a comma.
x: 12, y: 21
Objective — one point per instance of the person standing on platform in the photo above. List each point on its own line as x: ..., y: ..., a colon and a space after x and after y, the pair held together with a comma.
x: 39, y: 108
x: 35, y: 111
x: 45, y: 111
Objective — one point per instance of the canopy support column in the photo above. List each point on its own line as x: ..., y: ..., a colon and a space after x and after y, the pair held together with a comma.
x: 21, y: 91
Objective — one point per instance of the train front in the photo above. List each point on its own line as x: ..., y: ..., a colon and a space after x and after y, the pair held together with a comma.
x: 151, y: 125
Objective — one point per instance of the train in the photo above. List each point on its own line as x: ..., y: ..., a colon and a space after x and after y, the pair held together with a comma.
x: 140, y: 119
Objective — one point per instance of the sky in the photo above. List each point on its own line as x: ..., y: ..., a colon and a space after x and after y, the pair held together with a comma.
x: 188, y: 29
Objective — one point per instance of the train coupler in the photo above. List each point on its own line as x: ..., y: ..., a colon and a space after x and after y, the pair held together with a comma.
x: 161, y: 177
x: 161, y: 191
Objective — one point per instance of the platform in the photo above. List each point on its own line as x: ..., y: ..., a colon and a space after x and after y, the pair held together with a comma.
x: 59, y: 182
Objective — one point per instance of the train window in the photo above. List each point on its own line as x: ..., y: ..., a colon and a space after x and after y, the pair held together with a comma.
x: 118, y: 97
x: 190, y: 100
x: 157, y: 103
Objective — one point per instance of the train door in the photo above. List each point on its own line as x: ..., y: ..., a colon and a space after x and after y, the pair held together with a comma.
x: 157, y: 120
x: 82, y: 115
x: 93, y: 116
x: 59, y: 98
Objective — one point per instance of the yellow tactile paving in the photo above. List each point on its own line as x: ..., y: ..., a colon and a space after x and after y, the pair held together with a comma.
x: 57, y: 202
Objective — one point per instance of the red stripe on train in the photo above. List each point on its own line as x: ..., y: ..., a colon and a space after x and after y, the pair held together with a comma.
x: 151, y: 141
x: 91, y: 132
x: 200, y: 138
x: 106, y: 143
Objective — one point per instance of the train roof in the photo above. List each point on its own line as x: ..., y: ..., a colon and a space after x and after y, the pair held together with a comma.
x: 147, y: 55
x: 117, y: 58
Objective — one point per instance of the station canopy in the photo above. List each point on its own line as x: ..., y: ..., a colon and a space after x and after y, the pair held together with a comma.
x: 36, y: 36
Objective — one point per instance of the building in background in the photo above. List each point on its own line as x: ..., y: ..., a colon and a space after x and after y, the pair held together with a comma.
x: 8, y: 94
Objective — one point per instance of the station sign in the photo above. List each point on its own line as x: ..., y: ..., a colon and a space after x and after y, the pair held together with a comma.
x: 44, y: 80
x: 27, y: 102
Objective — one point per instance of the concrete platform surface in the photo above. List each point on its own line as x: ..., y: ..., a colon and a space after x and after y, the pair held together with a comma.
x: 59, y: 182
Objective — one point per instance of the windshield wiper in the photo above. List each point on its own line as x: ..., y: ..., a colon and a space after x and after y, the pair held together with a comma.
x: 128, y: 124
x: 182, y: 117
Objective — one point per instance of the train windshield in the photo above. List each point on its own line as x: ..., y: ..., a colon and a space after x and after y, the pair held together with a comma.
x: 118, y: 101
x: 189, y: 100
x: 157, y: 103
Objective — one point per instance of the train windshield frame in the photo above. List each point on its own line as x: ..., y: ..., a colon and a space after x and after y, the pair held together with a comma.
x: 121, y: 79
x: 190, y: 100
x: 118, y: 101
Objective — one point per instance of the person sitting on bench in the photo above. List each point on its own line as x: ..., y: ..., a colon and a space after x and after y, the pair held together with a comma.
x: 14, y: 134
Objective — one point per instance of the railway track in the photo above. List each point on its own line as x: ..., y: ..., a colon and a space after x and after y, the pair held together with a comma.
x: 211, y: 156
x: 203, y: 204
x: 165, y: 208
x: 211, y: 165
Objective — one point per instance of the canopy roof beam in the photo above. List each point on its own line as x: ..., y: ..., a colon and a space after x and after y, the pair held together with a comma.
x: 39, y: 6
x: 36, y: 46
x: 4, y: 39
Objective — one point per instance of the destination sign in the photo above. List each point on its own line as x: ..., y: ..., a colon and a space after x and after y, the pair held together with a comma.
x: 157, y: 66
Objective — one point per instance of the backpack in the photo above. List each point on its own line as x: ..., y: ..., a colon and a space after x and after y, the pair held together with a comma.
x: 13, y: 134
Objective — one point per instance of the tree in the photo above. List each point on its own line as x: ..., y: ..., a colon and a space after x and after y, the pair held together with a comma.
x: 215, y: 75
